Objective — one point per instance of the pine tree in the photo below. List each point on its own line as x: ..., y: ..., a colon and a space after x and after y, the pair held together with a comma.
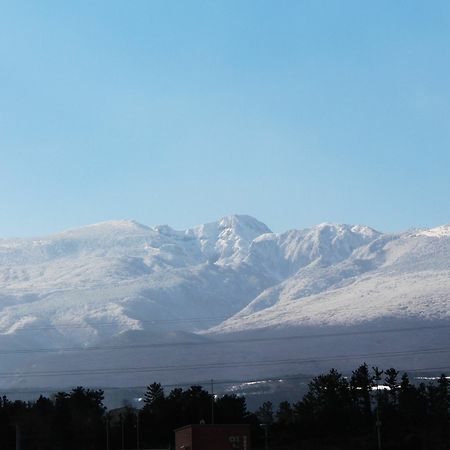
x: 230, y: 408
x: 154, y: 395
x: 361, y: 384
x: 392, y: 383
x: 265, y: 413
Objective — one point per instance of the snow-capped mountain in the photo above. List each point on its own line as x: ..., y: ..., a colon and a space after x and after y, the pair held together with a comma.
x: 117, y: 282
x: 122, y: 271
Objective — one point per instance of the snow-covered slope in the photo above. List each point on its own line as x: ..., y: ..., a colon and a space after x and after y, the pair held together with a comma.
x: 324, y: 245
x: 99, y: 283
x: 117, y: 250
x: 393, y: 276
x: 127, y: 274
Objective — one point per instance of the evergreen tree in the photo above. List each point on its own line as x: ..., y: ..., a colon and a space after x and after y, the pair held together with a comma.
x: 361, y: 384
x: 285, y: 414
x: 328, y: 400
x: 154, y: 397
x: 231, y: 409
x: 392, y: 383
x: 197, y: 405
x: 265, y: 413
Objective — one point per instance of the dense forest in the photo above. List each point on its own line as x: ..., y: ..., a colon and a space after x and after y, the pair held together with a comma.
x: 369, y: 409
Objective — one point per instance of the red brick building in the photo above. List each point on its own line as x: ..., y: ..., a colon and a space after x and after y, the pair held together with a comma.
x: 213, y: 437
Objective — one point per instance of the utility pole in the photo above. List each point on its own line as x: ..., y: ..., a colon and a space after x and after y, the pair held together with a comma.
x: 266, y: 435
x: 107, y: 432
x: 378, y: 424
x: 18, y: 437
x: 137, y: 429
x: 123, y: 434
x: 377, y: 378
x: 212, y: 401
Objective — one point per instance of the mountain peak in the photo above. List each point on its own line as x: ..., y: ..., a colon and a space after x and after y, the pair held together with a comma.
x: 243, y: 221
x: 442, y: 231
x: 106, y: 227
x: 342, y: 227
x: 229, y: 238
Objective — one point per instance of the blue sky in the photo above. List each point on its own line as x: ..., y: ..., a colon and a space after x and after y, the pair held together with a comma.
x: 295, y: 112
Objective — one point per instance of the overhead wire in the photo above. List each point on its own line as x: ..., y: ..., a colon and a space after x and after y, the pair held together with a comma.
x: 235, y: 381
x: 219, y: 365
x: 210, y: 342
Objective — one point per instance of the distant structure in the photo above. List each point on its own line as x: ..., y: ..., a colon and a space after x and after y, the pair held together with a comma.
x: 213, y: 437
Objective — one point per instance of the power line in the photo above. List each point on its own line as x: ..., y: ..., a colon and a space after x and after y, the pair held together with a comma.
x: 221, y: 342
x: 216, y: 382
x: 287, y: 378
x: 219, y: 365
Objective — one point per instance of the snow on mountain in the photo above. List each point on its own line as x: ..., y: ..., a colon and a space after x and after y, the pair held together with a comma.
x: 127, y: 275
x: 442, y: 231
x: 102, y: 282
x: 120, y: 250
x: 394, y: 276
x: 228, y: 240
x: 284, y: 254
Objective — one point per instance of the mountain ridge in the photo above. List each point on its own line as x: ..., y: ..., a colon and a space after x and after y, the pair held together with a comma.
x: 226, y: 277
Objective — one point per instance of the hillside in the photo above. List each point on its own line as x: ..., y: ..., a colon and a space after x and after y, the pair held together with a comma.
x: 120, y: 295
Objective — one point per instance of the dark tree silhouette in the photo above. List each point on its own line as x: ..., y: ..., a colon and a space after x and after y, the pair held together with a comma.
x: 154, y: 395
x: 336, y: 412
x: 361, y: 384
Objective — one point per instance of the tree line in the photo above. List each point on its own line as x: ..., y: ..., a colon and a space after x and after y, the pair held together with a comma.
x: 369, y: 409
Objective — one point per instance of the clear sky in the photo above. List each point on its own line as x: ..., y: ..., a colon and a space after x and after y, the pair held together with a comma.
x: 179, y: 112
